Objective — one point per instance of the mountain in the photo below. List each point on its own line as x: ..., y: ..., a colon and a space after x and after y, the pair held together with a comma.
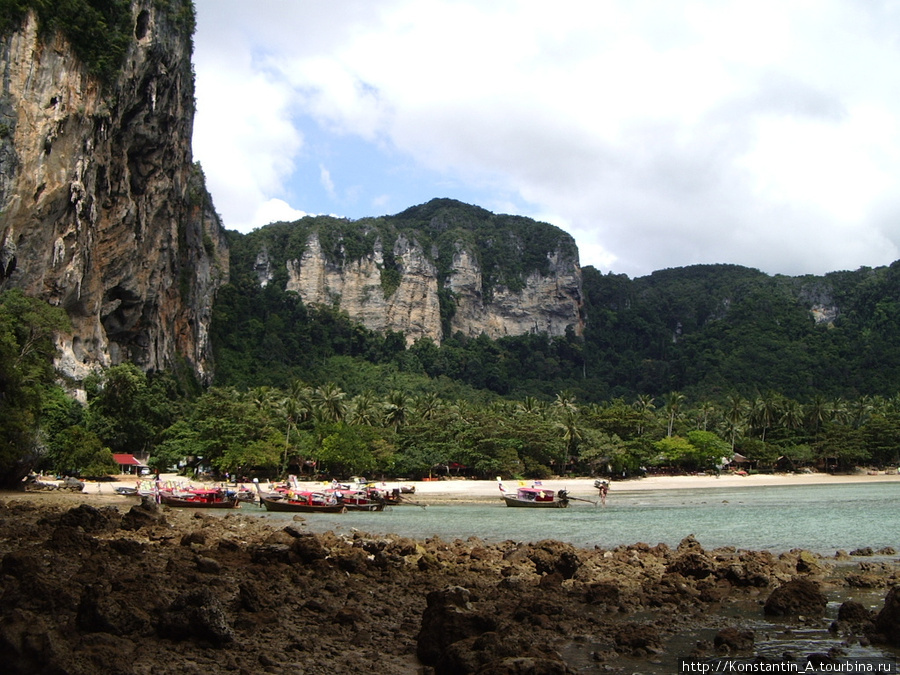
x: 711, y: 329
x: 104, y: 214
x: 432, y: 271
x: 102, y: 211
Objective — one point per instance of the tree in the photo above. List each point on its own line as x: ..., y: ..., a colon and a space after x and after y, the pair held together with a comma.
x: 396, y: 409
x: 329, y: 404
x: 644, y: 404
x: 225, y: 431
x: 80, y: 452
x: 708, y: 449
x: 673, y: 403
x: 27, y: 349
x: 124, y: 411
x: 346, y: 451
x: 674, y: 450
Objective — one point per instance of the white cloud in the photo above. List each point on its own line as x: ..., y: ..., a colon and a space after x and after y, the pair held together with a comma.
x: 325, y: 180
x: 660, y: 134
x: 274, y: 211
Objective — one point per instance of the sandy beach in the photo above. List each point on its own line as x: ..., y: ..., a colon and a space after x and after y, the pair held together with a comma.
x: 465, y: 490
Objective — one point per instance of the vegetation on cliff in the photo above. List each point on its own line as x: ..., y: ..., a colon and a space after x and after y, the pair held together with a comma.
x: 506, y: 248
x: 100, y: 31
x: 307, y: 391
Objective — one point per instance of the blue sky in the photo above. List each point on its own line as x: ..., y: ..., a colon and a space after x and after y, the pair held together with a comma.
x: 763, y: 133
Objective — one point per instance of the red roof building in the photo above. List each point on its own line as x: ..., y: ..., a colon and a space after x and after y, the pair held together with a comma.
x: 128, y: 463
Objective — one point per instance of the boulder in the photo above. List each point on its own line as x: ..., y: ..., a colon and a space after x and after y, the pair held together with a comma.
x: 692, y: 563
x: 887, y: 623
x: 730, y: 640
x: 98, y: 612
x: 146, y: 514
x: 307, y: 547
x: 853, y: 613
x: 196, y: 614
x: 795, y: 598
x: 555, y: 557
x: 808, y: 563
x: 449, y: 617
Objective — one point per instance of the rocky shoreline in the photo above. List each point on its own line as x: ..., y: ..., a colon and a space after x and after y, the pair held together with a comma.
x: 90, y: 586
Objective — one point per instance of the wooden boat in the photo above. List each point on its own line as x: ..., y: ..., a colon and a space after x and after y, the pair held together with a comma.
x: 199, y: 499
x: 536, y: 498
x: 361, y: 500
x: 302, y: 502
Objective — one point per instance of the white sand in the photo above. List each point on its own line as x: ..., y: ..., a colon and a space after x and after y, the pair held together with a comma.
x: 464, y: 490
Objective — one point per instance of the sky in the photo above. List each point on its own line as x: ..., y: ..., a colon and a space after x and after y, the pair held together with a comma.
x: 658, y: 133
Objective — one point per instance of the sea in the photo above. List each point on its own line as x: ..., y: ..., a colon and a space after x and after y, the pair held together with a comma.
x: 820, y: 518
x: 823, y: 519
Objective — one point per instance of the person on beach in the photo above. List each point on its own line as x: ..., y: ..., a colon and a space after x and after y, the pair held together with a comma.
x: 604, y: 490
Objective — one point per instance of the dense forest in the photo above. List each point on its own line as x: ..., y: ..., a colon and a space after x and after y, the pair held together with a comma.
x: 678, y: 370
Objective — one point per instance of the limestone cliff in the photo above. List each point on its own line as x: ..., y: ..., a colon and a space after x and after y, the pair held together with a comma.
x: 102, y: 211
x: 356, y: 288
x: 433, y: 271
x: 548, y: 303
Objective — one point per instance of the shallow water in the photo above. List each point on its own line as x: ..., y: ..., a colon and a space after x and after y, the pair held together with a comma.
x: 819, y: 518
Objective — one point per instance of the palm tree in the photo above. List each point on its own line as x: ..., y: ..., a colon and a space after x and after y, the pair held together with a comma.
x: 765, y: 412
x: 644, y: 405
x: 264, y: 398
x: 838, y: 411
x: 365, y: 409
x: 396, y: 409
x: 791, y: 414
x: 817, y: 414
x: 530, y: 405
x: 565, y: 400
x: 329, y: 403
x: 571, y: 434
x: 704, y: 412
x: 672, y: 407
x: 427, y: 405
x: 736, y: 411
x: 860, y: 410
x: 295, y: 408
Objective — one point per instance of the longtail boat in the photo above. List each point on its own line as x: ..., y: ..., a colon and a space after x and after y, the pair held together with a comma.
x: 303, y: 502
x: 361, y: 500
x: 200, y: 498
x: 536, y: 498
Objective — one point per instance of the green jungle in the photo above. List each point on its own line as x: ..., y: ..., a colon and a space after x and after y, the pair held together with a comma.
x: 674, y: 372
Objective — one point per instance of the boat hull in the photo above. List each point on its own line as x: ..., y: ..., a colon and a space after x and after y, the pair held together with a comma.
x: 528, y: 504
x: 179, y: 502
x: 365, y: 507
x: 284, y: 505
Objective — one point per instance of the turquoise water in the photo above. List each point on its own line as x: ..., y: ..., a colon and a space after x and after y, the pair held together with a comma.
x: 815, y: 517
x: 819, y: 518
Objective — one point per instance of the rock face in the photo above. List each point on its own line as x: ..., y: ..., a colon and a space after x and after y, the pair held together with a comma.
x: 548, y: 303
x: 101, y: 209
x: 355, y: 287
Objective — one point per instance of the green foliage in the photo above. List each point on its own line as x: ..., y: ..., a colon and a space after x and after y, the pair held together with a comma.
x: 126, y: 410
x: 27, y: 349
x: 79, y: 452
x: 710, y: 329
x: 99, y: 31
